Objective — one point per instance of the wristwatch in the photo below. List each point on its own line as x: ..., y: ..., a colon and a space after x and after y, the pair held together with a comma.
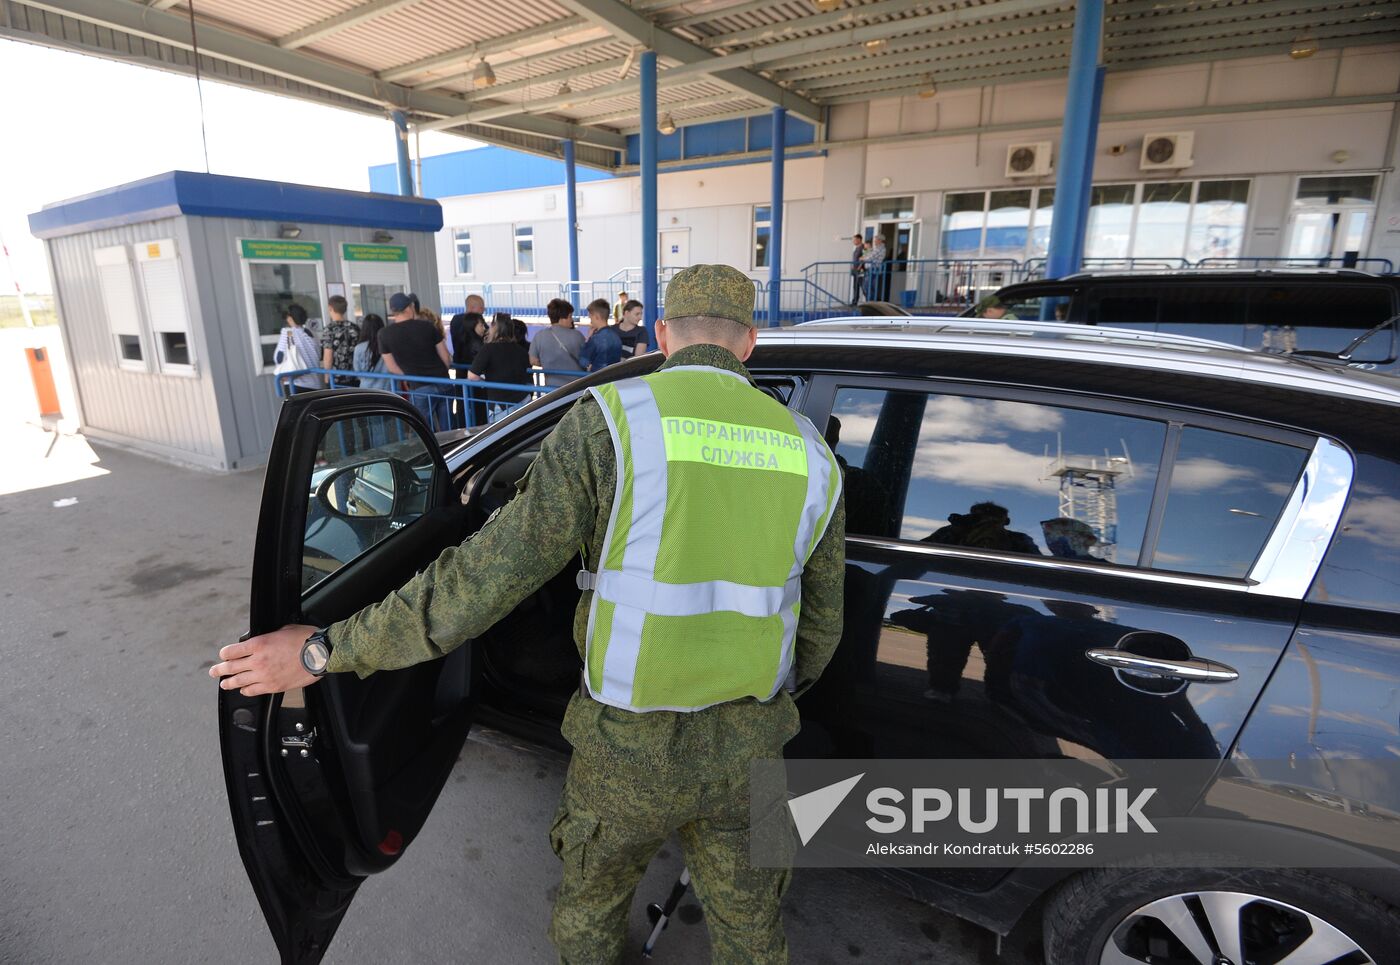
x: 316, y: 653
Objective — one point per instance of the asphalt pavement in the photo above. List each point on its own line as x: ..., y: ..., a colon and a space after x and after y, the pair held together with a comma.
x: 120, y: 578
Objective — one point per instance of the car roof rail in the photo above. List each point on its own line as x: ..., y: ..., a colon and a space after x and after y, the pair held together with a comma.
x: 990, y: 326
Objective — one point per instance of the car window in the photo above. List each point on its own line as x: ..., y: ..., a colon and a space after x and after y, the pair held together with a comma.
x: 997, y: 474
x: 1320, y: 318
x: 1225, y: 495
x: 372, y: 476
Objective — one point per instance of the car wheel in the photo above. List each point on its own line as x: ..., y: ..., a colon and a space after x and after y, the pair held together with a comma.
x: 1194, y: 916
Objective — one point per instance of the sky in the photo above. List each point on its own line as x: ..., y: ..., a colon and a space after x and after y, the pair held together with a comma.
x: 74, y: 124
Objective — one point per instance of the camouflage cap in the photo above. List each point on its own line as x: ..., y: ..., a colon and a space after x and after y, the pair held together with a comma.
x: 715, y: 290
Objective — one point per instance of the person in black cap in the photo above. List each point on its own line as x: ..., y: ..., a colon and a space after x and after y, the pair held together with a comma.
x: 413, y: 346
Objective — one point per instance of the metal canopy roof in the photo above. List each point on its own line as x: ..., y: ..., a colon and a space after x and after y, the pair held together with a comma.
x: 566, y: 68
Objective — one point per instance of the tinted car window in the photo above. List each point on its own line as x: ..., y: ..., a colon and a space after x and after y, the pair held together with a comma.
x: 1226, y: 494
x: 1286, y: 318
x: 1173, y: 309
x: 1362, y: 568
x: 995, y: 474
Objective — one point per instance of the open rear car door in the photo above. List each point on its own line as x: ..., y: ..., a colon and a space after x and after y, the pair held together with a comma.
x: 330, y: 784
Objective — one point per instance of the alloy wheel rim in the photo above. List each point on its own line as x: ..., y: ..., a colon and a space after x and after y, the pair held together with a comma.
x: 1228, y: 928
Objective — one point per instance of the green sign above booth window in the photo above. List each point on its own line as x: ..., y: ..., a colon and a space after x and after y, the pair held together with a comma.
x: 375, y: 252
x: 278, y: 250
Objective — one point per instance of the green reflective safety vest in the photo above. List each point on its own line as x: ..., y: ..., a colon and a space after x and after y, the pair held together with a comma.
x: 722, y: 496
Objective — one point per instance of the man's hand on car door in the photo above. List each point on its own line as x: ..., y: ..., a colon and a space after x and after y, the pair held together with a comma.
x: 269, y: 663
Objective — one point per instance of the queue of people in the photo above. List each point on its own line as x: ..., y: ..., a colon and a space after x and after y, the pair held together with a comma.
x: 870, y: 274
x: 414, y: 341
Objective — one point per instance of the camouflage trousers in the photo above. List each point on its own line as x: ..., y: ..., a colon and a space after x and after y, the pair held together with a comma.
x: 609, y: 825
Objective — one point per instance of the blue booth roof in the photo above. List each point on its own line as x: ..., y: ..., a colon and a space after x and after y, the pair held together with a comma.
x: 216, y: 196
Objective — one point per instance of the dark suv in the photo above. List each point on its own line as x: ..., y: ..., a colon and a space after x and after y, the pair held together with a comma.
x: 1018, y: 499
x: 1280, y: 311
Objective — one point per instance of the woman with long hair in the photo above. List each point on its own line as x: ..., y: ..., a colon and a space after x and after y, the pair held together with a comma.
x: 296, y: 338
x: 367, y: 355
x: 501, y: 359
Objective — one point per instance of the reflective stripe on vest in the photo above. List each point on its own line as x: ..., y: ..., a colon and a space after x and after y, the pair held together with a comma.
x: 680, y: 641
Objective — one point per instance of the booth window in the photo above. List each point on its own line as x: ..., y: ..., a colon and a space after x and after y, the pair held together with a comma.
x: 119, y: 301
x: 524, y: 250
x: 164, y: 291
x: 462, y: 245
x: 274, y: 285
x: 762, y: 234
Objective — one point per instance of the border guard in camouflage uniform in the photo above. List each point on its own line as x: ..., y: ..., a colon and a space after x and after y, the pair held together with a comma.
x: 713, y: 525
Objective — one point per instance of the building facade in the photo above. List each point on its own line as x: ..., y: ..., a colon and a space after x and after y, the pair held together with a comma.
x: 1257, y: 158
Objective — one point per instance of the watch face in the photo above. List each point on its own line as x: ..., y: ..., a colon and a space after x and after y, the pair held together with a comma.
x: 314, y: 656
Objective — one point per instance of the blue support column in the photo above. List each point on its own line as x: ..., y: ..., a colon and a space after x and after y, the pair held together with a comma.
x: 571, y: 207
x: 650, y: 288
x: 405, y: 171
x: 1082, y: 228
x: 1077, y: 140
x: 775, y: 220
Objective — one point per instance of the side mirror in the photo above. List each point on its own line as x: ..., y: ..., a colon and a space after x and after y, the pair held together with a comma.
x: 370, y: 490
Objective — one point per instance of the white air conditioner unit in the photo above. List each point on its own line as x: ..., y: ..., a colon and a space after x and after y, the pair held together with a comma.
x: 1166, y: 151
x: 1030, y: 160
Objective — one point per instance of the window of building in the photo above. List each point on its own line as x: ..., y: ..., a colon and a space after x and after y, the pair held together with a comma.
x: 164, y: 291
x: 119, y: 300
x: 762, y: 234
x: 1217, y: 220
x: 1169, y: 219
x: 889, y: 209
x: 1110, y: 221
x: 524, y: 250
x: 272, y: 284
x: 995, y: 474
x: 1163, y: 218
x: 462, y: 249
x: 1225, y: 496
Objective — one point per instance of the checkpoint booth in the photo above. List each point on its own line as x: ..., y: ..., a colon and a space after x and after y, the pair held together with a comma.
x: 171, y: 292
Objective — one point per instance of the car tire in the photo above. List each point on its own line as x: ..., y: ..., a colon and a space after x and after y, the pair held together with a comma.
x: 1121, y: 916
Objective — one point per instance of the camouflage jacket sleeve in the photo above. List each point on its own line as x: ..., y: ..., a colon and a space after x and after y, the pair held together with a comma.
x: 471, y: 586
x: 823, y: 589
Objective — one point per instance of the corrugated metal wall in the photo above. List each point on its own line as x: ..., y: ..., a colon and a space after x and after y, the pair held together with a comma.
x: 222, y: 417
x: 173, y: 415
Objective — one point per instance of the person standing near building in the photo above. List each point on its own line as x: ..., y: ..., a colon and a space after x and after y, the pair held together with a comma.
x: 338, y: 343
x: 876, y: 276
x: 857, y: 269
x: 744, y: 600
x: 604, y: 345
x: 632, y: 332
x: 411, y: 345
x: 557, y: 348
x: 367, y: 357
x: 296, y: 339
x: 501, y: 359
x: 468, y: 333
x: 620, y: 306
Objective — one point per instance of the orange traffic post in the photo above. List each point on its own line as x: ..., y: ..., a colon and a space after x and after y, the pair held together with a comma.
x: 41, y: 374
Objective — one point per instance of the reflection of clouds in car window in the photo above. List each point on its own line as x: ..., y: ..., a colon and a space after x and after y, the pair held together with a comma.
x: 953, y: 417
x: 1202, y: 474
x: 1375, y: 519
x: 994, y: 465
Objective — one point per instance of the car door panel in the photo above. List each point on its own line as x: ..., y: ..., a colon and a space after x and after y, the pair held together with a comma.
x: 331, y: 783
x: 971, y: 642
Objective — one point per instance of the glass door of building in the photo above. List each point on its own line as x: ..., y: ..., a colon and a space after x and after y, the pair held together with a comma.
x: 893, y: 220
x: 1331, y: 219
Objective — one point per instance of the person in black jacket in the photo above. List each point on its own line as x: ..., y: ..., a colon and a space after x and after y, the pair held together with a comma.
x: 501, y: 359
x: 468, y: 331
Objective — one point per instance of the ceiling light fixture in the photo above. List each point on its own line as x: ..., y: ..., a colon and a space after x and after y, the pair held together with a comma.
x: 381, y: 237
x: 667, y: 124
x: 288, y: 231
x: 564, y: 90
x: 483, y: 76
x: 826, y: 6
x: 877, y: 44
x: 1303, y: 48
x: 930, y: 89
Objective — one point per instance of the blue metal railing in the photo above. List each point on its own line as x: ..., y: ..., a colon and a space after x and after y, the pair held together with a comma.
x: 452, y: 403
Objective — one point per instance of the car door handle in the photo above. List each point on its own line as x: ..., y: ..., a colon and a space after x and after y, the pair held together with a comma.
x: 1195, y: 670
